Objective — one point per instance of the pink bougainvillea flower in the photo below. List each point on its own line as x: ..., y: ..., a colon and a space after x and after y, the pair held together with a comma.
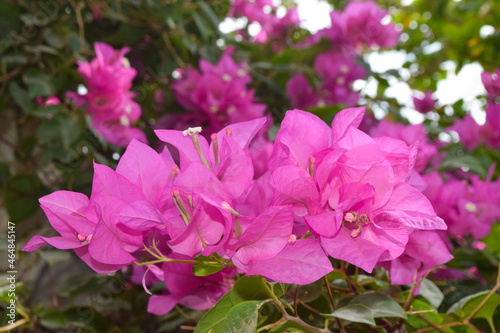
x: 51, y: 100
x: 273, y: 28
x: 411, y: 134
x: 363, y: 23
x: 300, y: 92
x: 491, y: 127
x: 350, y: 188
x: 67, y: 214
x: 424, y: 104
x: 300, y: 262
x: 491, y: 82
x: 468, y: 209
x: 338, y: 73
x: 109, y: 99
x: 218, y: 95
x: 424, y: 251
x: 469, y: 132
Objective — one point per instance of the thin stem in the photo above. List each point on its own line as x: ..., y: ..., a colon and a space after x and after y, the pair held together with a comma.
x: 330, y: 296
x: 9, y: 327
x: 483, y: 302
x: 430, y: 323
x: 285, y: 314
x: 295, y: 313
x: 215, y: 263
x: 171, y: 48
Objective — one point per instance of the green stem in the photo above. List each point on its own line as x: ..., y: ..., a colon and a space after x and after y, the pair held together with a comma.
x: 286, y: 316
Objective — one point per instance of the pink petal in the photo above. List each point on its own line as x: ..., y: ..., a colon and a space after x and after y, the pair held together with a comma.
x: 60, y: 243
x: 295, y: 187
x: 140, y: 215
x: 300, y: 263
x: 143, y: 167
x: 305, y: 134
x: 346, y: 119
x: 66, y: 212
x: 409, y: 207
x: 266, y: 236
x: 109, y: 183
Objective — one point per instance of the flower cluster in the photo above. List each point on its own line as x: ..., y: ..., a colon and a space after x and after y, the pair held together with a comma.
x: 425, y: 103
x: 470, y: 132
x: 469, y: 208
x: 337, y: 74
x: 109, y: 100
x: 362, y: 24
x: 218, y: 95
x: 263, y: 12
x: 327, y: 192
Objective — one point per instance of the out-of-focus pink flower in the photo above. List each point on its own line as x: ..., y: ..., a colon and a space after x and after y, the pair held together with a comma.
x: 424, y: 251
x: 491, y: 82
x: 338, y: 73
x: 491, y: 128
x: 109, y: 99
x: 469, y: 132
x: 468, y: 209
x: 362, y: 24
x: 218, y: 95
x: 51, y: 100
x: 273, y: 28
x: 300, y: 92
x: 424, y: 104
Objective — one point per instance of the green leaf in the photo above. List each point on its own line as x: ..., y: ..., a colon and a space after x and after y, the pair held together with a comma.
x: 431, y: 292
x: 243, y: 317
x: 204, y: 269
x: 416, y: 322
x: 380, y: 305
x: 82, y: 284
x: 53, y: 257
x: 249, y: 288
x: 491, y: 240
x: 21, y: 197
x: 38, y: 83
x: 288, y: 326
x: 52, y: 319
x: 356, y: 313
x: 8, y: 128
x: 465, y: 161
x: 463, y: 308
x: 21, y: 97
x: 278, y: 288
x: 213, y: 320
x: 58, y: 134
x: 47, y: 112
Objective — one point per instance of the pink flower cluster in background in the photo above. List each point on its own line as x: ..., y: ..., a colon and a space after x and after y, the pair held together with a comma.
x: 273, y: 28
x: 109, y: 102
x: 424, y: 104
x: 360, y: 25
x: 469, y: 208
x: 470, y: 132
x: 328, y: 191
x: 216, y: 95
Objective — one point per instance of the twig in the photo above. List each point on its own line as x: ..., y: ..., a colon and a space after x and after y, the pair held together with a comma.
x: 330, y: 296
x: 171, y: 48
x: 9, y: 328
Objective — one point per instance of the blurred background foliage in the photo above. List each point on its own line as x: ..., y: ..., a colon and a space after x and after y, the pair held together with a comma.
x: 43, y: 149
